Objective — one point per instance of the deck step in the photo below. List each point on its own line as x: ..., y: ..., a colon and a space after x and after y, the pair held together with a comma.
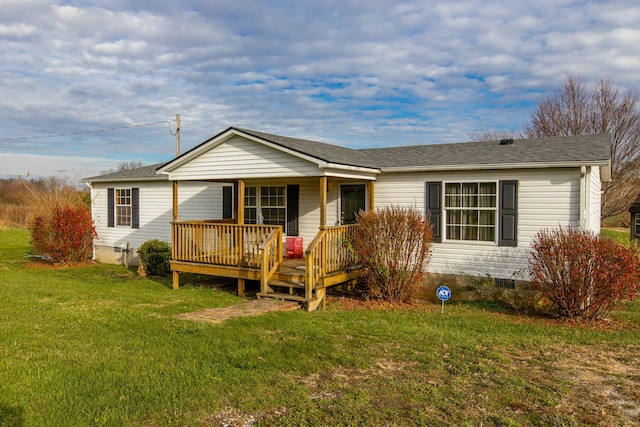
x: 282, y: 284
x: 285, y: 297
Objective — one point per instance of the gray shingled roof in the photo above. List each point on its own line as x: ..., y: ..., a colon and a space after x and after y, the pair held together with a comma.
x: 635, y: 207
x: 144, y: 173
x: 328, y: 152
x: 587, y: 149
x: 564, y: 149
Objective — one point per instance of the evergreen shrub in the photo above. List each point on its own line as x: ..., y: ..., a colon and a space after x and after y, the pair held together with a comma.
x: 155, y: 256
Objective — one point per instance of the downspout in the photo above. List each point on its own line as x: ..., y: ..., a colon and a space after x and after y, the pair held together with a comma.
x: 93, y: 220
x: 583, y: 197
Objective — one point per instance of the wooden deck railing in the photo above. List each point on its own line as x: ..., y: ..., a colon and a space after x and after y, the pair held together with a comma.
x: 327, y: 253
x: 209, y: 242
x: 271, y: 257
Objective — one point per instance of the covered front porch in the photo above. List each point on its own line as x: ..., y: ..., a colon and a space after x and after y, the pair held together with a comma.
x: 266, y: 188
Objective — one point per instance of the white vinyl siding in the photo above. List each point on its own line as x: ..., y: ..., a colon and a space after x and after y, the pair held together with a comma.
x: 546, y: 198
x: 198, y: 200
x: 595, y: 188
x: 246, y: 159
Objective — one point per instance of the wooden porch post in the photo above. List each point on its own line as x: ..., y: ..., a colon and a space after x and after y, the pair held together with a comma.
x: 240, y: 220
x: 176, y: 217
x: 370, y: 187
x: 323, y: 202
x: 240, y: 201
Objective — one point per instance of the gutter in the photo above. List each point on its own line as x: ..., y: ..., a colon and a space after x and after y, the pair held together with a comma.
x: 127, y: 179
x: 93, y: 220
x: 574, y: 164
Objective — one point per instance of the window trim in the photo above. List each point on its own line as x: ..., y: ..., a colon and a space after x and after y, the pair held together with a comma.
x: 117, y: 216
x: 227, y: 202
x: 636, y: 224
x: 259, y: 208
x: 112, y: 207
x: 494, y: 209
x: 339, y: 204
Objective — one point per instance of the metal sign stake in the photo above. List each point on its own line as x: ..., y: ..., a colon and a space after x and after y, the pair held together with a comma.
x: 443, y: 293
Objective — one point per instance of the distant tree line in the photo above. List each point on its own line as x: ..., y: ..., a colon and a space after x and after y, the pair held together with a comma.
x: 577, y: 108
x: 124, y: 166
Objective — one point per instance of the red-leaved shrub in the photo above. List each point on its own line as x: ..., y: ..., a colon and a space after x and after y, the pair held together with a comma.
x: 393, y: 248
x: 65, y: 234
x: 583, y: 275
x: 59, y: 220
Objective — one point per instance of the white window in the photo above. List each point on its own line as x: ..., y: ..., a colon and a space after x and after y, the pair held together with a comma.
x: 123, y: 207
x: 637, y: 224
x: 267, y: 208
x: 273, y: 207
x: 471, y: 211
x: 250, y: 205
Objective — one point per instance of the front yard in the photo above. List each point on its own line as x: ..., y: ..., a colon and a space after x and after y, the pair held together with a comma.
x: 96, y: 345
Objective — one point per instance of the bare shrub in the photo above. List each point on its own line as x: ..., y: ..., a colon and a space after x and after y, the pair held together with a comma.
x: 583, y: 275
x: 13, y: 215
x: 393, y: 247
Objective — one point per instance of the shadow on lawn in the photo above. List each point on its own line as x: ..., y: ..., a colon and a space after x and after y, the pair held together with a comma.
x: 11, y: 416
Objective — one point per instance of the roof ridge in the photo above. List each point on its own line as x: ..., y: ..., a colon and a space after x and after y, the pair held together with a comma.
x: 149, y: 172
x: 334, y: 154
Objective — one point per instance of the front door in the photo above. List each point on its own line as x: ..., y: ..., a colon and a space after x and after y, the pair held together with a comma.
x: 352, y: 201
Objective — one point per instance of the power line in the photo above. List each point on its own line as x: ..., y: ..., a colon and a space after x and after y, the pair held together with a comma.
x: 88, y: 132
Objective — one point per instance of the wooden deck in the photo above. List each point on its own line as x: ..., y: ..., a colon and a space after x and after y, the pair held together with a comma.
x: 254, y: 252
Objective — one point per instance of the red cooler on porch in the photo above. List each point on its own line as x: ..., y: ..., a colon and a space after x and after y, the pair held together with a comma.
x: 294, y: 247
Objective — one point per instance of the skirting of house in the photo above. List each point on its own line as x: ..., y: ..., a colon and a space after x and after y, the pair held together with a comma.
x: 517, y: 293
x: 116, y: 255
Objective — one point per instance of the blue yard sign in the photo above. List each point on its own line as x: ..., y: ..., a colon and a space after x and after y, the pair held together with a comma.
x: 444, y: 294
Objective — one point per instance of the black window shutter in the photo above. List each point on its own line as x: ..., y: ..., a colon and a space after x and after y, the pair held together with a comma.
x: 508, y: 214
x: 433, y: 205
x: 110, y: 207
x: 227, y: 202
x: 293, y: 210
x: 135, y: 208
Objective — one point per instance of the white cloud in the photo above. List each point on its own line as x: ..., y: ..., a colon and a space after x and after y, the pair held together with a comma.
x: 72, y: 168
x: 387, y: 73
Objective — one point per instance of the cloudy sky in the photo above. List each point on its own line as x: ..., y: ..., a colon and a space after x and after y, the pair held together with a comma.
x: 351, y: 72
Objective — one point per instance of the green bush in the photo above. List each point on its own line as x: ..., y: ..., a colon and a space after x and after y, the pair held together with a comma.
x: 155, y: 256
x: 393, y: 247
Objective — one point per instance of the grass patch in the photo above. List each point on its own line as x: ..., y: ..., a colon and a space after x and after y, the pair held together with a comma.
x: 97, y: 345
x: 621, y: 236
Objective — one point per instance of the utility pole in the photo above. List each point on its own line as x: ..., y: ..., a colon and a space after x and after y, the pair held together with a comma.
x: 177, y: 135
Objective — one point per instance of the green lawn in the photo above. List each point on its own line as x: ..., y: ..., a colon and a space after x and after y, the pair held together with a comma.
x: 96, y: 345
x: 616, y: 234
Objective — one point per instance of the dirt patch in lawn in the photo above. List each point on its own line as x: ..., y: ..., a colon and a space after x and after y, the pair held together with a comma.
x: 44, y: 265
x: 606, y: 384
x: 563, y: 385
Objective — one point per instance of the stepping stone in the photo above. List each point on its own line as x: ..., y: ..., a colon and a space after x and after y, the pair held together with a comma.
x: 251, y: 308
